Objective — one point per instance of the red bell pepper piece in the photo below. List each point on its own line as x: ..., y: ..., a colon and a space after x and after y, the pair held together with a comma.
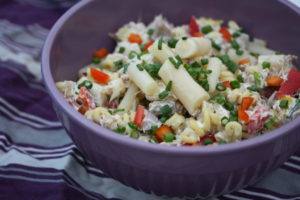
x: 246, y: 103
x: 135, y: 38
x: 243, y: 116
x: 194, y: 27
x: 139, y: 115
x: 291, y: 85
x: 148, y: 45
x: 99, y: 76
x: 225, y: 33
x: 101, y: 53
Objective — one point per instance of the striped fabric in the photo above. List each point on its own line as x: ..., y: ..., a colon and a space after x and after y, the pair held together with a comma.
x: 37, y: 158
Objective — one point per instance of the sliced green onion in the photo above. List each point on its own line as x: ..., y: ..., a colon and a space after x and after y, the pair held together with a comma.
x: 266, y: 65
x: 132, y: 125
x: 258, y: 79
x: 86, y: 83
x: 153, y: 129
x: 239, y: 52
x: 165, y: 110
x: 229, y: 63
x: 235, y: 84
x: 163, y: 94
x: 184, y: 38
x: 172, y: 43
x: 169, y: 86
x: 120, y: 129
x: 228, y: 106
x: 204, y: 61
x: 163, y: 119
x: 207, y: 141
x: 153, y: 69
x: 206, y: 29
x: 153, y: 140
x: 254, y: 54
x: 221, y: 87
x: 235, y: 44
x: 179, y: 61
x: 150, y: 31
x: 169, y: 137
x: 96, y: 60
x: 236, y: 34
x: 284, y: 103
x: 122, y: 50
x: 134, y: 134
x: 125, y: 67
x: 140, y: 67
x: 233, y: 115
x: 220, y: 99
x: 224, y: 121
x: 240, y: 78
x: 174, y: 63
x: 116, y: 111
x: 160, y: 41
x: 215, y: 45
x: 132, y: 54
x: 195, y: 64
x: 252, y: 88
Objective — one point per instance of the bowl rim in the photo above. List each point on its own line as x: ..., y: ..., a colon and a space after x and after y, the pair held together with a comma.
x: 94, y: 128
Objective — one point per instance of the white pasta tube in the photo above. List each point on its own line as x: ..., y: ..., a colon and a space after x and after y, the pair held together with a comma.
x: 143, y: 80
x: 193, y: 47
x: 160, y: 54
x: 215, y: 66
x: 190, y: 93
x: 129, y: 98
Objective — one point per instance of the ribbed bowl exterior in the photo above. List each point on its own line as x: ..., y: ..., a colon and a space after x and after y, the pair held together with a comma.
x: 160, y: 169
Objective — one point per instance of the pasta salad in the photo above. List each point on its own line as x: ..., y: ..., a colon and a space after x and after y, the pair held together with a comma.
x: 201, y: 83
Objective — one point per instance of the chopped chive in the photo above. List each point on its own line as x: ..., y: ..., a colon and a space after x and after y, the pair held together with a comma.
x: 206, y: 29
x: 172, y: 43
x: 153, y: 140
x: 120, y: 129
x: 132, y: 54
x: 239, y: 52
x: 235, y: 84
x: 86, y: 83
x: 228, y: 106
x: 153, y: 69
x: 122, y: 50
x: 118, y: 64
x: 96, y: 60
x: 258, y: 79
x: 169, y: 137
x: 221, y: 87
x: 184, y: 38
x: 204, y: 61
x: 224, y: 121
x: 207, y: 141
x: 169, y: 86
x: 140, y: 67
x: 195, y: 64
x: 254, y: 54
x: 163, y: 94
x: 235, y: 44
x: 179, y: 61
x: 252, y: 88
x: 266, y: 65
x: 150, y: 31
x: 215, y: 45
x: 240, y: 78
x: 160, y: 41
x: 112, y: 112
x: 284, y: 103
x: 166, y: 110
x: 175, y: 64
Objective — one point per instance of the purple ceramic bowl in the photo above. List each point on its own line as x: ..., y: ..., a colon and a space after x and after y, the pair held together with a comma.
x: 159, y: 169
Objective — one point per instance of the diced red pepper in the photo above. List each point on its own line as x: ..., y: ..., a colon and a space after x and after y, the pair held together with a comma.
x: 87, y: 99
x: 139, y: 116
x: 135, y: 38
x: 192, y: 144
x: 291, y: 85
x: 197, y: 34
x: 194, y: 27
x: 246, y: 103
x: 225, y: 33
x: 257, y: 120
x: 148, y: 45
x: 99, y: 76
x: 161, y: 131
x: 227, y: 84
x: 101, y: 53
x: 243, y: 116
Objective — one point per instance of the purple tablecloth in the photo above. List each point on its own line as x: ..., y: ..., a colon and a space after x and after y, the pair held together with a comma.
x: 37, y: 158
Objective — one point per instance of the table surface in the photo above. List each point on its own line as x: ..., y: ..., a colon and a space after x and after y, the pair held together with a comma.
x: 37, y: 158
